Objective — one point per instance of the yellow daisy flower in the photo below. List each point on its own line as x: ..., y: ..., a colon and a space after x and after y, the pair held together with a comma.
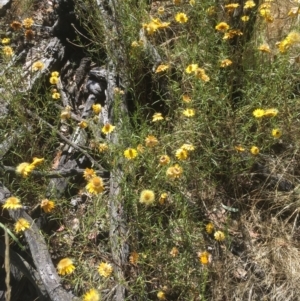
x: 5, y: 41
x: 83, y: 124
x: 21, y: 225
x: 107, y: 128
x: 249, y: 4
x: 181, y: 154
x: 163, y: 197
x: 164, y: 160
x: 7, y: 50
x: 151, y: 141
x: 161, y: 295
x: 37, y: 66
x: 12, y: 203
x: 24, y: 169
x: 264, y: 48
x: 188, y: 147
x: 157, y: 117
x: 191, y: 68
x: 219, y: 236
x: 91, y: 295
x: 174, y: 252
x: 222, y: 26
x: 189, y: 112
x: 28, y: 22
x: 54, y: 74
x: 258, y: 113
x: 204, y: 257
x: 65, y: 267
x: 147, y: 197
x: 186, y: 98
x: 161, y: 68
x: 96, y: 108
x: 89, y: 173
x: 130, y: 153
x: 225, y: 63
x: 53, y: 80
x: 103, y: 147
x: 254, y: 150
x: 245, y: 18
x: 271, y: 112
x: 95, y: 185
x: 47, y: 205
x: 105, y: 269
x: 56, y: 95
x: 174, y: 172
x: 181, y: 18
x: 209, y: 228
x: 276, y: 133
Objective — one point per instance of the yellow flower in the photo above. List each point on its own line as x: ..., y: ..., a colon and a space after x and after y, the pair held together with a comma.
x: 95, y: 185
x: 21, y: 225
x: 134, y: 257
x: 54, y: 74
x: 96, y: 108
x: 204, y: 257
x: 191, y: 68
x: 66, y: 113
x: 53, y: 80
x: 239, y: 148
x: 65, y: 267
x: 174, y: 172
x: 161, y: 10
x: 219, y: 236
x: 25, y: 169
x: 200, y: 73
x: 37, y: 66
x: 89, y: 173
x: 189, y: 112
x: 264, y: 48
x: 258, y: 113
x: 293, y: 37
x: 8, y: 51
x: 91, y: 295
x: 151, y: 141
x: 107, y: 128
x: 271, y: 112
x: 245, y: 18
x: 254, y: 150
x: 188, y: 147
x: 181, y: 18
x: 135, y: 44
x: 211, y: 10
x: 130, y: 153
x: 294, y: 11
x: 163, y: 198
x: 276, y: 133
x: 82, y: 124
x: 283, y: 45
x: 147, y: 197
x: 231, y: 7
x: 157, y: 117
x: 5, y: 41
x: 103, y: 147
x: 140, y: 148
x: 56, y: 95
x: 12, y: 203
x: 249, y: 4
x: 192, y: 2
x: 47, y: 205
x: 161, y: 295
x: 181, y: 154
x: 15, y: 25
x: 28, y: 22
x: 164, y: 160
x: 161, y: 68
x: 225, y: 63
x: 232, y: 33
x: 209, y: 228
x: 222, y: 26
x: 105, y: 269
x: 174, y: 252
x: 186, y: 98
x: 37, y: 161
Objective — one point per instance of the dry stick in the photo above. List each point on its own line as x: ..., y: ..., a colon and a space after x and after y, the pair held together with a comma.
x: 68, y: 141
x: 7, y: 268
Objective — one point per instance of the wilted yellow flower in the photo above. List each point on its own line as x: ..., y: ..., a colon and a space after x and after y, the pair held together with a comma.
x: 21, y: 225
x: 232, y: 33
x: 161, y: 295
x: 37, y: 161
x: 293, y: 37
x: 157, y: 117
x: 181, y: 18
x: 245, y: 18
x: 96, y: 108
x: 130, y: 153
x: 134, y: 257
x: 188, y: 147
x: 164, y: 160
x: 161, y: 10
x: 211, y: 10
x: 151, y: 141
x: 294, y: 11
x: 186, y: 98
x: 283, y: 45
x: 174, y: 252
x: 181, y: 154
x: 200, y: 73
x: 189, y: 112
x: 53, y: 80
x: 12, y: 203
x: 254, y: 150
x: 239, y: 148
x: 91, y: 295
x: 56, y: 95
x: 95, y: 185
x: 25, y: 169
x: 231, y: 7
x: 174, y: 172
x: 177, y: 2
x: 105, y: 269
x: 37, y: 66
x: 28, y: 22
x: 5, y: 41
x: 276, y: 133
x: 161, y: 68
x: 209, y: 228
x: 219, y: 236
x: 7, y: 50
x: 191, y: 68
x: 65, y: 267
x: 225, y: 63
x: 140, y: 148
x: 162, y: 198
x: 222, y: 26
x: 89, y: 173
x: 258, y: 113
x: 147, y: 197
x: 204, y: 257
x: 264, y: 48
x: 249, y: 4
x: 47, y: 205
x: 15, y: 25
x: 29, y: 34
x: 66, y: 113
x: 82, y: 124
x: 271, y: 112
x: 103, y: 147
x: 107, y: 128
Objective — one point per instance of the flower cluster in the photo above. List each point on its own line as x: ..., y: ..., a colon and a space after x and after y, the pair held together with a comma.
x: 291, y: 39
x: 198, y: 72
x: 54, y: 78
x: 25, y: 168
x: 154, y: 25
x: 95, y: 184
